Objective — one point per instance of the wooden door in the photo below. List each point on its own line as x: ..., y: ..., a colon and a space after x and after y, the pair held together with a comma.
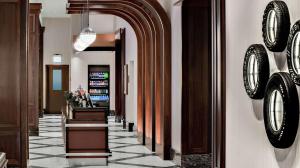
x: 57, y: 84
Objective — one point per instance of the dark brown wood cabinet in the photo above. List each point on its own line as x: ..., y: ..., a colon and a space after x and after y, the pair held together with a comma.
x: 33, y: 68
x: 13, y: 83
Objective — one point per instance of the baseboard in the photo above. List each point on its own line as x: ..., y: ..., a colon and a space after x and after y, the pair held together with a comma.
x: 33, y: 132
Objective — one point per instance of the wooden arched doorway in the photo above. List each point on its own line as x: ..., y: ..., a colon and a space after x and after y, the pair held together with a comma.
x: 153, y: 30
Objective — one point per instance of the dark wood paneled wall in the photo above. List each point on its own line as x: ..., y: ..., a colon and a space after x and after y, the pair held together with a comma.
x: 219, y: 89
x: 34, y: 68
x: 197, y: 85
x: 13, y: 111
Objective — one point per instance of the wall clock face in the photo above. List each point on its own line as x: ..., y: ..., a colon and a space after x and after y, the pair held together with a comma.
x: 276, y: 26
x: 276, y: 110
x: 256, y: 71
x: 271, y: 26
x: 281, y: 110
x: 293, y: 53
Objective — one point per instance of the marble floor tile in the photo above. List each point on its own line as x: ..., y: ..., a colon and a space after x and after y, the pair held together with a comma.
x: 47, y: 149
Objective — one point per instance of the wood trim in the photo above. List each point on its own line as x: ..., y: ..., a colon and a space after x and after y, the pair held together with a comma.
x: 100, y: 49
x: 9, y: 1
x: 153, y: 29
x: 219, y: 101
x: 120, y: 62
x: 35, y: 7
x: 123, y: 62
x: 24, y: 146
x: 33, y: 68
x: 41, y: 72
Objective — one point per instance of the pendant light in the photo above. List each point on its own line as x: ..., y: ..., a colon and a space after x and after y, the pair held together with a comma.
x: 79, y: 45
x: 87, y: 35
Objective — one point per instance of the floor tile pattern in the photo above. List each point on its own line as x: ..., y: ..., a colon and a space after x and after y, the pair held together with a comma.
x: 47, y: 149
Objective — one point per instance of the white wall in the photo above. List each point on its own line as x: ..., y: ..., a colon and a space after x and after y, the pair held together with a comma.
x: 131, y: 59
x: 79, y: 70
x: 101, y: 24
x: 174, y: 13
x: 57, y: 40
x: 247, y: 144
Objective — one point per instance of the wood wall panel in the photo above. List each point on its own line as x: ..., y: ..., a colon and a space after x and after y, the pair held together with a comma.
x: 219, y: 89
x: 13, y: 98
x: 33, y: 68
x: 197, y: 85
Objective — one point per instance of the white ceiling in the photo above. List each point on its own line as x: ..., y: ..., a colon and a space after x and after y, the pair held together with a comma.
x: 57, y: 9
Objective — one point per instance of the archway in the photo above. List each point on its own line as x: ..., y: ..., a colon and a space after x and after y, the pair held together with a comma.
x: 153, y: 30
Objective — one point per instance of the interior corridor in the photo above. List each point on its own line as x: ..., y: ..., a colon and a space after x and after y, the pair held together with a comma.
x: 47, y: 149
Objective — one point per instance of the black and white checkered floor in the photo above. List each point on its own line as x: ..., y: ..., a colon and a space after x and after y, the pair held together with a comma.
x: 47, y: 149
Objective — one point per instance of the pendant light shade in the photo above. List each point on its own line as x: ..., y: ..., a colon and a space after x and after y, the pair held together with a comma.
x: 85, y: 39
x: 87, y: 36
x: 79, y: 45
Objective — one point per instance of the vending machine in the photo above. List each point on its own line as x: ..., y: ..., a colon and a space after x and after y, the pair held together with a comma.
x: 98, y: 85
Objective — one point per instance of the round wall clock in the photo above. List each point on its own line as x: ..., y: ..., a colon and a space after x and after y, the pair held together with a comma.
x: 256, y: 71
x: 276, y: 26
x: 293, y: 53
x: 281, y: 110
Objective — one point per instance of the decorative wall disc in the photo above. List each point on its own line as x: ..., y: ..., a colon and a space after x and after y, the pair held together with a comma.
x: 276, y: 26
x: 256, y: 71
x: 281, y: 110
x: 293, y: 53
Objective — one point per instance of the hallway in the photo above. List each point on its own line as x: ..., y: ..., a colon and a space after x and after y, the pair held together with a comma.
x: 47, y: 149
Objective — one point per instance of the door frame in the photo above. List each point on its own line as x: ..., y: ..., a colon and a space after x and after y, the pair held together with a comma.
x: 219, y: 83
x: 47, y: 82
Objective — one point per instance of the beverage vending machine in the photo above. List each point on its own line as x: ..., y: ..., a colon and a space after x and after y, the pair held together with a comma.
x: 99, y: 84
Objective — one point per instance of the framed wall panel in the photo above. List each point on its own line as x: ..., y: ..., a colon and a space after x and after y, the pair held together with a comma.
x: 13, y: 69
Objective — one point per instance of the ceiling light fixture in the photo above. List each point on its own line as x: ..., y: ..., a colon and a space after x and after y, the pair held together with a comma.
x: 87, y: 35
